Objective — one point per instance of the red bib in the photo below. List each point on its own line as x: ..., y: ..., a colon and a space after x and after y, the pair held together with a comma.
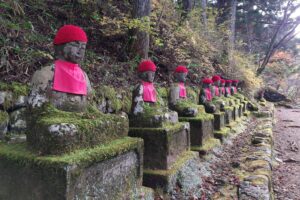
x: 217, y: 91
x: 222, y: 90
x: 208, y: 94
x: 149, y: 94
x: 69, y: 78
x: 228, y: 90
x: 182, y: 90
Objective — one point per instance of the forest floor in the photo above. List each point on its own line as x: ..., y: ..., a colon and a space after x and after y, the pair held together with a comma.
x: 286, y: 176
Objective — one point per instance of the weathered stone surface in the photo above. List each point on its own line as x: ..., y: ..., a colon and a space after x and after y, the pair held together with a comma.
x: 163, y: 146
x: 17, y: 121
x: 255, y: 188
x: 201, y: 128
x: 219, y: 120
x: 4, y: 118
x: 108, y: 172
x: 228, y: 115
x: 183, y: 175
x: 56, y: 132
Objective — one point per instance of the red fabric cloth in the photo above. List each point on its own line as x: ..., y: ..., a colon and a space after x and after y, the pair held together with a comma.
x: 228, y: 90
x: 222, y: 90
x: 146, y: 65
x: 223, y: 81
x: 235, y: 90
x: 182, y: 90
x: 69, y: 33
x: 69, y: 78
x: 217, y: 91
x: 149, y: 92
x: 181, y: 69
x: 228, y: 81
x: 208, y: 94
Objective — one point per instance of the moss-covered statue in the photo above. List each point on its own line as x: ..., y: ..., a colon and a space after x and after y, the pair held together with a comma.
x: 216, y: 93
x: 228, y: 88
x: 206, y: 96
x: 61, y: 118
x: 178, y: 96
x: 234, y: 87
x: 148, y: 109
x: 222, y: 88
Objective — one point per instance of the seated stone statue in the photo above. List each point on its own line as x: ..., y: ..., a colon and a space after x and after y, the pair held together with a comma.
x: 216, y: 91
x: 178, y: 96
x: 228, y: 88
x: 222, y: 88
x: 61, y: 118
x: 147, y: 108
x: 206, y: 96
x: 234, y: 86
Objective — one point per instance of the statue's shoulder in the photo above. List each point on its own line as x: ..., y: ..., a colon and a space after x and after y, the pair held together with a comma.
x: 43, y: 75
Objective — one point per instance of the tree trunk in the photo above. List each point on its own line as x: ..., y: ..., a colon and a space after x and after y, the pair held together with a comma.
x: 232, y: 31
x: 140, y: 39
x: 204, y: 15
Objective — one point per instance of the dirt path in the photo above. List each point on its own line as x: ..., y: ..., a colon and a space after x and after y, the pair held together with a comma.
x: 286, y: 176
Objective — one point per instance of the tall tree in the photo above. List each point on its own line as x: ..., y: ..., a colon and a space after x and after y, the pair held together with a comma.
x: 140, y: 38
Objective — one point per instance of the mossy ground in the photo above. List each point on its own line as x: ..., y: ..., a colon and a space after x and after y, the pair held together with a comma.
x: 3, y: 116
x: 21, y: 154
x: 18, y: 89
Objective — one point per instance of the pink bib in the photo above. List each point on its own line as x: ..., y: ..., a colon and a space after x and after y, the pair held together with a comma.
x: 222, y: 90
x: 69, y: 78
x: 235, y: 90
x: 217, y: 91
x: 182, y: 90
x: 228, y: 90
x: 208, y: 94
x: 149, y: 94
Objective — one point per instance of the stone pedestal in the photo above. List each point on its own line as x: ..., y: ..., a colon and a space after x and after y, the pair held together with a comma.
x: 111, y: 171
x: 163, y: 146
x: 219, y: 120
x: 201, y: 128
x: 235, y: 112
x: 184, y: 175
x: 228, y: 114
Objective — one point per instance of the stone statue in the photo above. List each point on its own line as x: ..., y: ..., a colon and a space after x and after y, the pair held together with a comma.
x: 206, y: 96
x: 178, y: 96
x: 61, y: 118
x: 234, y: 86
x: 222, y: 88
x: 147, y: 109
x: 64, y: 84
x: 228, y: 88
x: 216, y: 92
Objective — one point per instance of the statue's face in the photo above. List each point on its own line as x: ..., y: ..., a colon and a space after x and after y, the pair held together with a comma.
x: 217, y: 83
x: 205, y: 85
x: 223, y: 84
x: 228, y: 84
x: 147, y: 76
x: 180, y: 77
x: 71, y: 52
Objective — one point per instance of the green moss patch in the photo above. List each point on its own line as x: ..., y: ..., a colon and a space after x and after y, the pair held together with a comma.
x: 20, y: 153
x: 3, y: 116
x: 223, y: 133
x: 193, y: 94
x: 208, y: 145
x: 18, y: 89
x: 167, y: 128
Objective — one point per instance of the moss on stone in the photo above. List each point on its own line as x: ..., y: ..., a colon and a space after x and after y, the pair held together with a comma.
x: 174, y: 168
x: 18, y: 89
x: 22, y: 155
x: 193, y: 94
x: 93, y: 128
x: 231, y: 108
x: 166, y: 128
x: 162, y: 92
x: 3, y: 116
x: 199, y: 117
x: 224, y: 132
x: 208, y: 145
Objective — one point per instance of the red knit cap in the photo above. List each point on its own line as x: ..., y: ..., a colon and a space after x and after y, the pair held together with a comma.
x: 69, y: 33
x: 216, y: 78
x: 235, y: 81
x: 207, y: 81
x: 228, y: 81
x: 181, y: 69
x: 146, y: 65
x: 223, y: 81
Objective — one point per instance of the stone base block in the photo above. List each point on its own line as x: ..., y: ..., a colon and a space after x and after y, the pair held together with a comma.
x: 235, y: 112
x: 163, y: 145
x: 222, y: 134
x: 184, y: 174
x: 219, y: 120
x: 228, y: 115
x: 208, y: 145
x: 112, y: 171
x: 201, y: 128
